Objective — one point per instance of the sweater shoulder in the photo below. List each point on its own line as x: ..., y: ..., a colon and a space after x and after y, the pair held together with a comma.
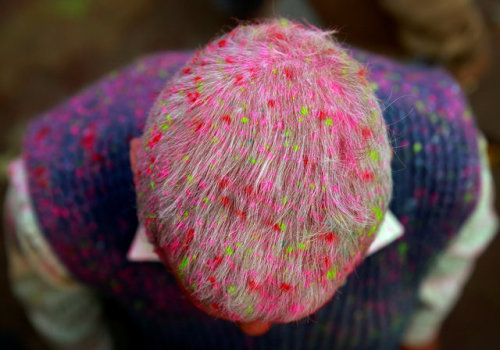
x: 433, y: 133
x: 76, y: 154
x: 86, y: 128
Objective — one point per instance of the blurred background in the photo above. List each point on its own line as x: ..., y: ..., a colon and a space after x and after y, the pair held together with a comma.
x: 50, y: 49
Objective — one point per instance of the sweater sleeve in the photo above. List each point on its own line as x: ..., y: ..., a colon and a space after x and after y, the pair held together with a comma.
x: 64, y: 311
x: 443, y: 285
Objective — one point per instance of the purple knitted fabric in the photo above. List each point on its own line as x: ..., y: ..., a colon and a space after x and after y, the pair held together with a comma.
x: 82, y: 189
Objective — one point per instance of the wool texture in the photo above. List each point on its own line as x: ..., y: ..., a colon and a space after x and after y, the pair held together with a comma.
x: 264, y: 172
x: 81, y: 186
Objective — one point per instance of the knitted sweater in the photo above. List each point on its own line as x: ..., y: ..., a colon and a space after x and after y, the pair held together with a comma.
x: 81, y: 186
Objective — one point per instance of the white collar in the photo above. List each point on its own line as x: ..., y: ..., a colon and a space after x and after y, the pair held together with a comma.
x: 390, y: 230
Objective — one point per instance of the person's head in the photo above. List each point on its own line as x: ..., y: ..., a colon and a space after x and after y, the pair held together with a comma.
x: 263, y: 172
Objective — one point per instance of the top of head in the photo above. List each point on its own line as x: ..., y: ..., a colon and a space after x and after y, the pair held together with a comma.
x: 264, y: 172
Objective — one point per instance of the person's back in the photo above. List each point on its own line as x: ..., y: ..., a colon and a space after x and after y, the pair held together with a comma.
x: 261, y: 184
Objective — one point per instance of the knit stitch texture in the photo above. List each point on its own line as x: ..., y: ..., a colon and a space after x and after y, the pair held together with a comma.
x: 83, y: 194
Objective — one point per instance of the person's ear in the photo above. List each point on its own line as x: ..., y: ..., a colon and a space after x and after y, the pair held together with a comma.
x: 135, y: 143
x: 254, y: 328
